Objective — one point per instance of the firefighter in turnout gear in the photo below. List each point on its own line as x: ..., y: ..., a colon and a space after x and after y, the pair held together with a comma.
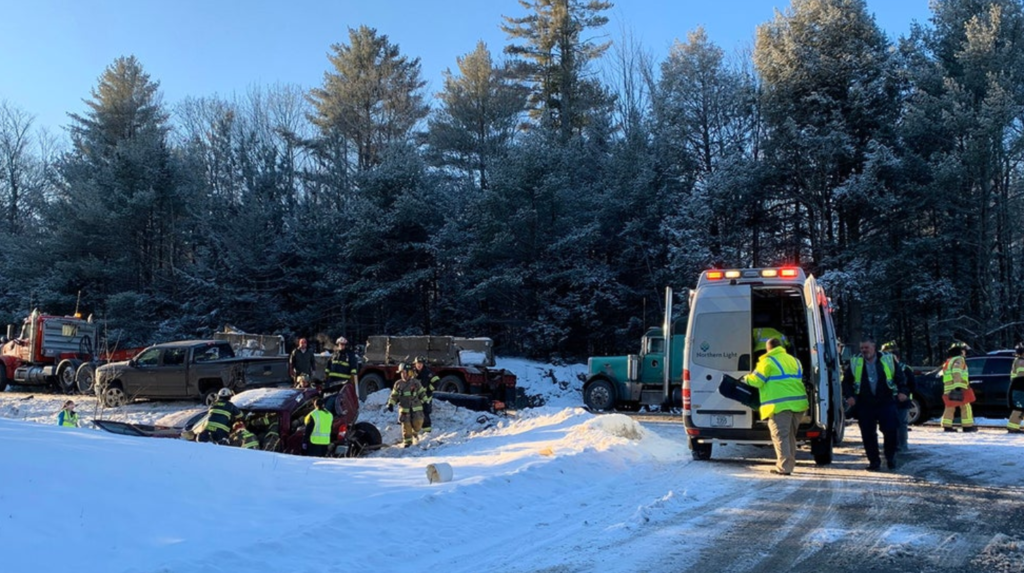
x: 241, y: 437
x: 318, y: 430
x: 409, y: 394
x: 956, y: 389
x: 1016, y: 391
x: 67, y: 415
x: 429, y: 382
x: 268, y: 429
x: 779, y: 377
x: 874, y: 384
x: 342, y: 367
x: 222, y: 417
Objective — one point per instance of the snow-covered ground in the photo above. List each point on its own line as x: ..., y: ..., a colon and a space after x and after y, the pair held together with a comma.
x: 552, y: 488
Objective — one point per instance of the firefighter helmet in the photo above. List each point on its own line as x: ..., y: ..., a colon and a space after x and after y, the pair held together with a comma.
x: 1020, y: 349
x: 420, y: 359
x: 890, y: 347
x: 225, y: 393
x: 959, y: 346
x: 405, y: 367
x: 340, y: 341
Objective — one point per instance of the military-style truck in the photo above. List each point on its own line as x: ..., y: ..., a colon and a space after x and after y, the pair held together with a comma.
x: 195, y: 369
x: 652, y: 378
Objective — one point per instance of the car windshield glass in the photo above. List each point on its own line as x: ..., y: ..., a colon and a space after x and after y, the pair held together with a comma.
x: 148, y: 357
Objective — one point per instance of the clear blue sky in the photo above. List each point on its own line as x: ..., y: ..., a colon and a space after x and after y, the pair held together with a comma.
x: 53, y: 51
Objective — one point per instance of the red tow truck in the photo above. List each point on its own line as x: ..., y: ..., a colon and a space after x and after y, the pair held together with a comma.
x: 57, y: 351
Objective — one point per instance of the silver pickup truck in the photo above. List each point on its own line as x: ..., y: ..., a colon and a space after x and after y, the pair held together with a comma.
x: 194, y: 369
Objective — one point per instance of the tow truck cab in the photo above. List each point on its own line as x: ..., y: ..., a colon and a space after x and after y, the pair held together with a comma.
x: 728, y: 310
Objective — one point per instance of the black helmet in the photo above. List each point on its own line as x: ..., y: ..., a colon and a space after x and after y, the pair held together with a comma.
x: 421, y: 359
x: 405, y: 366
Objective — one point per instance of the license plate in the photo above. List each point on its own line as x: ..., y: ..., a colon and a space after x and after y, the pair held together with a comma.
x: 721, y: 421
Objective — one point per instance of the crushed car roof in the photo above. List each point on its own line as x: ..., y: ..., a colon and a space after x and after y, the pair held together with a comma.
x: 270, y: 398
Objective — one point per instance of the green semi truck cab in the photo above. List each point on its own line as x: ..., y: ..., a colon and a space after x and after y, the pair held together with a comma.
x: 630, y: 382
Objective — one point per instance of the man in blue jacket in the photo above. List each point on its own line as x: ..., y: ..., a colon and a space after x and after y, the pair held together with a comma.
x: 874, y: 383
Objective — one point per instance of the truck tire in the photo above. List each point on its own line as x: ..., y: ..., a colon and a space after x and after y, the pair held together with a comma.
x: 701, y: 451
x: 66, y: 376
x: 361, y: 439
x: 369, y: 384
x: 113, y: 395
x: 84, y: 377
x: 451, y: 384
x: 599, y: 396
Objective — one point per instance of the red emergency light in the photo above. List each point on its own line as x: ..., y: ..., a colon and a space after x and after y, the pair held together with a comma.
x: 788, y: 273
x: 715, y: 275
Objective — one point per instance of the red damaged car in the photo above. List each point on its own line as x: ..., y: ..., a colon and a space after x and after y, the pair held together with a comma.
x: 289, y: 407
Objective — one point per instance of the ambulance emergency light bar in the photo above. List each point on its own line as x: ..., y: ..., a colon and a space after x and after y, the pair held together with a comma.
x: 785, y: 272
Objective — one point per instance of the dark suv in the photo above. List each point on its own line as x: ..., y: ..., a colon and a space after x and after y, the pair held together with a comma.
x: 990, y: 380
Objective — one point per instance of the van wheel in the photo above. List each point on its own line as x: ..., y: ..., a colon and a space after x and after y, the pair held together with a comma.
x: 821, y: 448
x: 701, y: 451
x: 599, y: 396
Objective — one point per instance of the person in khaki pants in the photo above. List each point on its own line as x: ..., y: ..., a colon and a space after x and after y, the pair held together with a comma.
x: 779, y: 378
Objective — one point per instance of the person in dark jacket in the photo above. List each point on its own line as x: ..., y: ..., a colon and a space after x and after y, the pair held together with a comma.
x: 429, y: 382
x: 873, y: 383
x: 342, y: 367
x: 241, y: 437
x: 302, y: 360
x: 222, y: 417
x: 902, y: 408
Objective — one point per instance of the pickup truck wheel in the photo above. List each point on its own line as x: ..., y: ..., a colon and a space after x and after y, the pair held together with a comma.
x: 209, y: 397
x: 701, y: 451
x: 66, y: 376
x: 84, y: 377
x: 114, y: 396
x: 599, y: 396
x: 362, y: 438
x: 451, y: 384
x: 369, y: 384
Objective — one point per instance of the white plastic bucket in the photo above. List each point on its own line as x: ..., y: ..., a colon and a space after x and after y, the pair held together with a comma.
x: 439, y: 472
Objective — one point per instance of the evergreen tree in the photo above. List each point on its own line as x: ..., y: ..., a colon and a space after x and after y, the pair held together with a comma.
x: 554, y: 57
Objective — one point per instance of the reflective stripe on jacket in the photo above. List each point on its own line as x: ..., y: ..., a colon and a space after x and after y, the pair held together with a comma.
x: 888, y: 364
x: 409, y: 395
x: 322, y: 420
x: 67, y: 418
x: 341, y: 368
x: 955, y: 375
x: 244, y: 439
x: 779, y: 377
x: 222, y: 414
x: 1018, y: 369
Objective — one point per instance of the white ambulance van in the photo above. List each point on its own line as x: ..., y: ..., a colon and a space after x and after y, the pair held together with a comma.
x: 732, y: 312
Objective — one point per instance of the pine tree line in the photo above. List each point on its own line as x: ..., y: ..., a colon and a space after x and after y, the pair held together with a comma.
x: 538, y: 202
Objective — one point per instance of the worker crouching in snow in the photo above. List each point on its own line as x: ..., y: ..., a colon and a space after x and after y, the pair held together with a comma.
x: 410, y: 395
